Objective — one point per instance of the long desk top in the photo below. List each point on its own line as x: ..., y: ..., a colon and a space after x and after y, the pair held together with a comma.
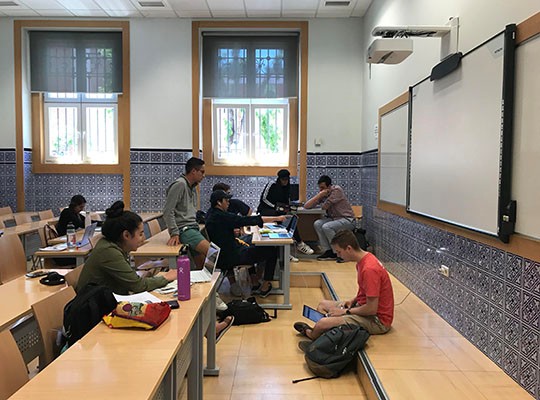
x: 156, y: 246
x: 260, y: 240
x: 26, y: 228
x: 119, y: 363
x: 18, y: 296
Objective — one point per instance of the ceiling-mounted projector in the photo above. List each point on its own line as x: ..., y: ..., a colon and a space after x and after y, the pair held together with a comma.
x: 389, y: 51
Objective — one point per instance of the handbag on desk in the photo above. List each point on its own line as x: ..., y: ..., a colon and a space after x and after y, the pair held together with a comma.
x: 128, y: 314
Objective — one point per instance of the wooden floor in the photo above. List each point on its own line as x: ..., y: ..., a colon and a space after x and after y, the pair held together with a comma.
x: 422, y: 357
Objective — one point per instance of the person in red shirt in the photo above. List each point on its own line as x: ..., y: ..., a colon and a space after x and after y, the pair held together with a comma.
x: 373, y: 306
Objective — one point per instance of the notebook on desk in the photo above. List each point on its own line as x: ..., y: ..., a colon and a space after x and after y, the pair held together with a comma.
x: 291, y: 227
x: 205, y: 274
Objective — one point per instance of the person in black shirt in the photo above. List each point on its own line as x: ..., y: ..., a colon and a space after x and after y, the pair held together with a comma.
x: 235, y: 206
x: 221, y: 225
x: 276, y: 195
x: 72, y: 214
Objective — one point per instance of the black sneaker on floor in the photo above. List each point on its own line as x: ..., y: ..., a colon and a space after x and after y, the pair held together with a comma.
x: 264, y: 293
x: 328, y: 255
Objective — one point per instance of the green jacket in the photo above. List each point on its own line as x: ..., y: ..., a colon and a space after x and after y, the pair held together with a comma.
x: 108, y: 266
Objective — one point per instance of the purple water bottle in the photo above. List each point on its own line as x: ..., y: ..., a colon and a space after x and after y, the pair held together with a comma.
x: 183, y: 274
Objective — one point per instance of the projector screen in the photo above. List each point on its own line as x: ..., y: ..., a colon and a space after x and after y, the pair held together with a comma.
x: 458, y: 139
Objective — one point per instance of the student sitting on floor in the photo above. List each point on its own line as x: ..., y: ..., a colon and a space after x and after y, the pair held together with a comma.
x: 373, y: 306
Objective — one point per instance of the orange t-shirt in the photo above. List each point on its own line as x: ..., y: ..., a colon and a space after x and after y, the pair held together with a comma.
x: 373, y: 281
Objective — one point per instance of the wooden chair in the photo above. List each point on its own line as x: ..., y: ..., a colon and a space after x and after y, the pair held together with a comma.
x: 22, y: 218
x: 49, y: 314
x: 2, y: 224
x: 13, y: 371
x: 46, y: 214
x: 13, y: 260
x: 72, y: 277
x: 50, y: 232
x: 357, y: 210
x: 6, y: 210
x: 153, y: 226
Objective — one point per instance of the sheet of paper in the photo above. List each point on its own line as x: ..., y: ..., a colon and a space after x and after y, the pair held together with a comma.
x: 143, y: 297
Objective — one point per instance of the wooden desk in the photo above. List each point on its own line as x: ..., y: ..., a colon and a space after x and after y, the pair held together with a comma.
x: 285, y: 281
x: 156, y: 247
x: 18, y: 296
x: 26, y: 229
x: 79, y: 253
x: 134, y: 364
x: 306, y: 218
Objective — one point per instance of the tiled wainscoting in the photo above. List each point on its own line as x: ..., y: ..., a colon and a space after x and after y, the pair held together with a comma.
x: 492, y: 297
x: 8, y: 187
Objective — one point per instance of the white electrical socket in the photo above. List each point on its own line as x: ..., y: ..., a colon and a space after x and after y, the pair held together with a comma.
x: 444, y: 270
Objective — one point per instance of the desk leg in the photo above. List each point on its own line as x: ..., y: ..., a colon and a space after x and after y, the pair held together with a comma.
x: 195, y: 375
x: 211, y: 369
x: 286, y: 274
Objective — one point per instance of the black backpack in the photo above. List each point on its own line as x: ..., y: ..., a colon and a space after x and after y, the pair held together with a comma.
x: 85, y: 311
x: 334, y: 350
x: 245, y: 312
x: 360, y: 235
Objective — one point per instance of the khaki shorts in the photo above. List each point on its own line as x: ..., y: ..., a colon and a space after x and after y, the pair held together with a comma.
x: 191, y: 237
x: 369, y: 323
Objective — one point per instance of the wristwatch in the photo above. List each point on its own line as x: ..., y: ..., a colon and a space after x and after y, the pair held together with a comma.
x: 348, y: 312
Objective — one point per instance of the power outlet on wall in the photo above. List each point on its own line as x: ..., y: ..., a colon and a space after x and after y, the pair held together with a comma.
x: 444, y: 270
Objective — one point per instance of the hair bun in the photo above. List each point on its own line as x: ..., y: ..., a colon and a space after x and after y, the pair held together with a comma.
x: 116, y: 210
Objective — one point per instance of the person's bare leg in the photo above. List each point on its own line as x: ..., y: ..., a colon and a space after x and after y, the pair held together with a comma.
x: 325, y: 305
x: 324, y: 325
x: 201, y: 249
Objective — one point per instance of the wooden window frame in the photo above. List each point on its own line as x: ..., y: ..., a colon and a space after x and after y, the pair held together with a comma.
x: 202, y: 108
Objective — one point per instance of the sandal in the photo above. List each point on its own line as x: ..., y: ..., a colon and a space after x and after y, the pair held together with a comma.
x: 302, y: 327
x: 222, y: 332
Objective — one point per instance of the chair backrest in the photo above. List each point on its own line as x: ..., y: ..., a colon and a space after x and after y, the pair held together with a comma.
x: 46, y: 214
x: 95, y: 238
x: 6, y: 210
x: 22, y: 218
x: 2, y: 224
x: 357, y: 210
x: 9, y: 222
x: 13, y: 372
x: 13, y: 260
x: 50, y: 233
x: 49, y: 314
x: 72, y: 277
x: 154, y: 227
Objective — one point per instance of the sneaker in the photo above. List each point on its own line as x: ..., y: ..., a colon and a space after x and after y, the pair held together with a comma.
x: 293, y: 259
x: 327, y: 255
x: 304, y: 248
x: 229, y: 321
x: 236, y: 290
x: 265, y: 293
x: 220, y: 304
x: 255, y: 288
x: 301, y: 328
x: 340, y: 260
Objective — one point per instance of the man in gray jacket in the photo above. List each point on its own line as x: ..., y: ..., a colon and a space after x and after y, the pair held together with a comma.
x: 180, y: 210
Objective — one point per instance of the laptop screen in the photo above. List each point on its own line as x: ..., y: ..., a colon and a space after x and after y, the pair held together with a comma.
x: 294, y: 192
x: 88, y: 233
x: 211, y: 257
x: 292, y: 224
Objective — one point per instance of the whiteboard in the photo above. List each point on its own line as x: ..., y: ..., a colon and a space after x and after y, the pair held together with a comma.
x: 455, y: 142
x: 526, y: 152
x: 393, y: 155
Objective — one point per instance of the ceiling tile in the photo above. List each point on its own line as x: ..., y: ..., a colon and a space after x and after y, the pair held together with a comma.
x: 55, y: 13
x: 361, y: 8
x: 263, y: 13
x: 193, y: 13
x: 263, y: 5
x: 228, y: 14
x: 20, y: 13
x: 117, y: 5
x: 188, y: 4
x: 79, y: 4
x: 43, y: 4
x: 298, y: 13
x: 124, y: 13
x: 225, y: 5
x: 308, y: 5
x: 89, y: 13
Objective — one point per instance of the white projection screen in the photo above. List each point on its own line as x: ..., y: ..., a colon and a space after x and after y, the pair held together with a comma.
x: 456, y: 146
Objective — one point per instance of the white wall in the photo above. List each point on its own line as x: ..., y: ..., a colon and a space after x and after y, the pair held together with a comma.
x: 479, y: 20
x: 7, y: 85
x: 160, y: 83
x: 335, y: 70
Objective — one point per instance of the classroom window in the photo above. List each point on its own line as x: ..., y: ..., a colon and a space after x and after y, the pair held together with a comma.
x: 251, y: 132
x: 80, y: 128
x: 250, y: 88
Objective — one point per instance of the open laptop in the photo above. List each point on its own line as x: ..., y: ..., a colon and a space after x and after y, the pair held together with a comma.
x: 88, y: 233
x: 205, y: 274
x: 290, y: 230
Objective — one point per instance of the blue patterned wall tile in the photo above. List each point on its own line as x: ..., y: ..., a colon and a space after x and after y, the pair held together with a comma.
x: 514, y: 269
x: 511, y: 362
x: 498, y: 262
x: 528, y: 377
x: 496, y: 320
x: 512, y: 300
x: 531, y: 276
x: 495, y: 351
x: 530, y: 343
x: 531, y: 310
x: 496, y: 291
x: 512, y: 331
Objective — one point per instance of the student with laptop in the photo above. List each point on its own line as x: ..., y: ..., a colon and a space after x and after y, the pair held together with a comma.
x: 108, y: 264
x: 72, y: 214
x: 221, y: 225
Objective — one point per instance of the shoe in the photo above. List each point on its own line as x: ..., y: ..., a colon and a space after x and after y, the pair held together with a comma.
x: 265, y: 293
x: 304, y: 345
x: 256, y: 288
x: 236, y: 290
x: 220, y: 304
x: 328, y: 255
x: 304, y: 248
x: 302, y: 327
x: 220, y: 334
x: 340, y: 260
x: 293, y: 259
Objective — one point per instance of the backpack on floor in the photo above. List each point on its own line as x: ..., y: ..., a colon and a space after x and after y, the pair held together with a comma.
x: 245, y: 312
x: 334, y: 350
x: 85, y: 311
x: 360, y: 235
